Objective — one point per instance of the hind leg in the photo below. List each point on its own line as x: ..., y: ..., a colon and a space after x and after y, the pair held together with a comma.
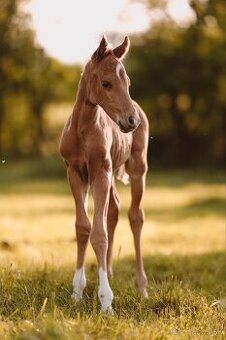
x: 137, y: 171
x: 112, y: 219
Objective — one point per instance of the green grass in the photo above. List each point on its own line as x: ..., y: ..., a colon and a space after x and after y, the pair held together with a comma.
x: 38, y: 302
x: 183, y: 246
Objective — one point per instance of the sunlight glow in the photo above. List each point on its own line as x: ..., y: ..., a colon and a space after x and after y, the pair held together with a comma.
x: 69, y: 30
x: 181, y: 12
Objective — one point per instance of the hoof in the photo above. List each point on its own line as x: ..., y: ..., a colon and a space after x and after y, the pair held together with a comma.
x: 108, y: 311
x: 76, y: 297
x: 144, y: 293
x: 141, y: 283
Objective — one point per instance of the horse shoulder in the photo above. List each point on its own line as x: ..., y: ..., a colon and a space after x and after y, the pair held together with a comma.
x: 67, y: 139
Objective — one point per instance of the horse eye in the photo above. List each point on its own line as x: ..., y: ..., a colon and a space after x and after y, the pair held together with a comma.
x: 106, y: 84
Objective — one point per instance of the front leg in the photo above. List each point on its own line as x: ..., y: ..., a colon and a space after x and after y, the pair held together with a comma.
x: 79, y: 189
x: 101, y: 178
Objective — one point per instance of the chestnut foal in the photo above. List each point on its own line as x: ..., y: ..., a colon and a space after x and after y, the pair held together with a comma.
x: 106, y: 133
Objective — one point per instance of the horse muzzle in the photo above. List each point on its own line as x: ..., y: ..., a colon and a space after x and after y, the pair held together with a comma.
x: 129, y: 123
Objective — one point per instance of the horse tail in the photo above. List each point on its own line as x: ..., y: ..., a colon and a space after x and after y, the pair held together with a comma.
x: 122, y: 174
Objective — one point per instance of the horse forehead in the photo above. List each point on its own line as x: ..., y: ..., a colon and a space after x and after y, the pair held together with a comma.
x: 112, y: 67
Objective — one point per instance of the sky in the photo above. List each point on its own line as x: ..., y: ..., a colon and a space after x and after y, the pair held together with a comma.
x: 70, y: 30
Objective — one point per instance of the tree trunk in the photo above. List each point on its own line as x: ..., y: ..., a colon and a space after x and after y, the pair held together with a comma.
x: 184, y: 144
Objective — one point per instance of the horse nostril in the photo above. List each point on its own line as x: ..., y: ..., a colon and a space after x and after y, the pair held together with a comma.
x: 131, y: 120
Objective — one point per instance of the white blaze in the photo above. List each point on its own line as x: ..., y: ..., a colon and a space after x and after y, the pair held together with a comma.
x: 118, y: 69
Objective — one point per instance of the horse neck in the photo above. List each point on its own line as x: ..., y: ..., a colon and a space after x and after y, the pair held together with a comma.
x: 84, y: 113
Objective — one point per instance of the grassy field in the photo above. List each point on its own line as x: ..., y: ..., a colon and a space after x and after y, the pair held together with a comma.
x: 183, y: 246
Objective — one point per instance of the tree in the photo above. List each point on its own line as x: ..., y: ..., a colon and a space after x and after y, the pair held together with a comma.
x: 178, y: 75
x: 13, y: 34
x: 27, y: 72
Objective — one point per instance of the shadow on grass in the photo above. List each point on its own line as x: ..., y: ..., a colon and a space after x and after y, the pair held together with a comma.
x: 177, y: 178
x: 204, y: 207
x: 18, y: 176
x: 175, y: 283
x: 197, y: 208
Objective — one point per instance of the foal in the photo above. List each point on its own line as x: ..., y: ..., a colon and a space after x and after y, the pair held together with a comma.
x: 107, y: 133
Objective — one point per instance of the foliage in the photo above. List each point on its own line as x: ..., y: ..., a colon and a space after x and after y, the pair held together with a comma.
x: 29, y: 79
x: 178, y: 75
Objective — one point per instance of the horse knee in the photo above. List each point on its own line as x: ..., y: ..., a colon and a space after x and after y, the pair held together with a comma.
x: 136, y: 167
x: 98, y: 240
x: 82, y: 232
x: 136, y: 219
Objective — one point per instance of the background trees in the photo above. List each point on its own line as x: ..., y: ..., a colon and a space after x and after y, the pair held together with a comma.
x: 177, y: 75
x: 29, y: 80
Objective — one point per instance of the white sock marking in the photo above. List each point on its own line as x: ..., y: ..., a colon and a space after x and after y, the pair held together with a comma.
x: 105, y: 293
x: 118, y: 68
x: 79, y: 283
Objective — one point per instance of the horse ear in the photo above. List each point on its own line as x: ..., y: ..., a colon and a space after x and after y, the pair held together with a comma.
x: 122, y: 49
x: 101, y: 50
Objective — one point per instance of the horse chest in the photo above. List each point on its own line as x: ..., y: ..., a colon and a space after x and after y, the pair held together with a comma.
x: 81, y: 145
x: 121, y: 148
